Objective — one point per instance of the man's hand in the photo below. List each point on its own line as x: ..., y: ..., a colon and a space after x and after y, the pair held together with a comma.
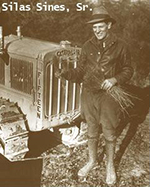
x: 59, y: 74
x: 108, y: 84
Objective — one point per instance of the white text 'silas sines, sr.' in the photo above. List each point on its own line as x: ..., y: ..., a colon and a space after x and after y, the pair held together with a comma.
x: 15, y: 6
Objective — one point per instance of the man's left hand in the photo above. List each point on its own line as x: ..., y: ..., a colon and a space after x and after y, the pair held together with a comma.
x: 108, y: 84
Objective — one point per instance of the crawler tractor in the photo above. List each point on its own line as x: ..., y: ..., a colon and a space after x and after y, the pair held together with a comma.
x: 31, y: 97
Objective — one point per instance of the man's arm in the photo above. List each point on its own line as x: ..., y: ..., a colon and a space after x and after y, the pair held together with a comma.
x: 75, y: 75
x: 126, y: 71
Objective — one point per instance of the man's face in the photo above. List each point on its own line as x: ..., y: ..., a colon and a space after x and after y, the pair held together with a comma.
x: 101, y: 29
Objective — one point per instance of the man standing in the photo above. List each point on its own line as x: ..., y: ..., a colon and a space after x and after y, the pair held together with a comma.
x: 104, y: 63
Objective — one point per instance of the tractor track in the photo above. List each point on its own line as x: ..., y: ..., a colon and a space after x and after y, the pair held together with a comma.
x: 13, y: 129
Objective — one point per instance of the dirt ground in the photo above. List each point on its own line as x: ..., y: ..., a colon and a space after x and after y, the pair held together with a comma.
x: 132, y: 170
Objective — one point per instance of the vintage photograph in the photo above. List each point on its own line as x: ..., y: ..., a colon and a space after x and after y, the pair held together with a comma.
x: 74, y: 93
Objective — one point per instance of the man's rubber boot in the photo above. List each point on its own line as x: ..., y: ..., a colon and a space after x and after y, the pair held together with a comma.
x: 110, y: 168
x: 92, y: 149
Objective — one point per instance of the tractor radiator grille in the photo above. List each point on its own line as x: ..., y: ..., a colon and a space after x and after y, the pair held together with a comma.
x: 62, y: 96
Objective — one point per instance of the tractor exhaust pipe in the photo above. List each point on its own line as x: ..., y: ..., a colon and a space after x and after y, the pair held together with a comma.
x: 1, y: 41
x: 3, y: 52
x: 18, y: 31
